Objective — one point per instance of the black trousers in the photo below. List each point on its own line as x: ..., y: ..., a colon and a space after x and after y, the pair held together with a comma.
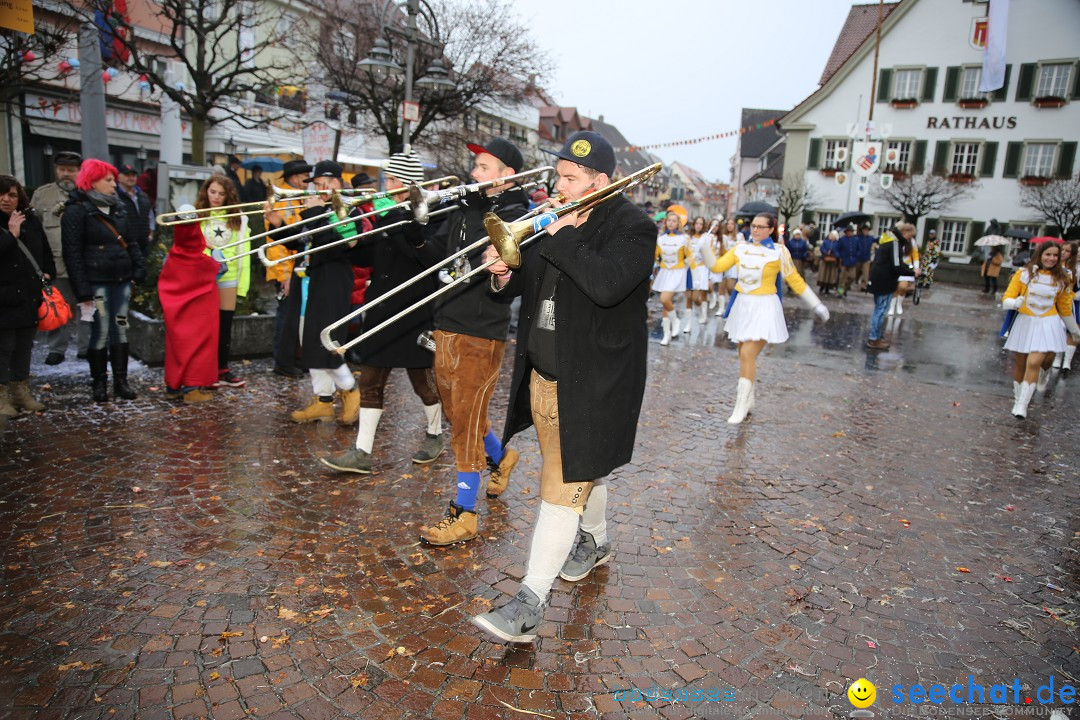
x: 15, y: 346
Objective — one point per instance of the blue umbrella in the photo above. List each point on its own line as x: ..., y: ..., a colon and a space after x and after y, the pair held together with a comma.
x: 268, y: 164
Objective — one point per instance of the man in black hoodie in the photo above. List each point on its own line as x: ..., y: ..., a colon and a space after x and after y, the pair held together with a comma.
x: 471, y: 328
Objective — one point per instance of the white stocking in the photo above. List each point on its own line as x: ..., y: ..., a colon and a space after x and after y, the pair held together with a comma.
x: 343, y: 377
x: 369, y: 423
x: 434, y: 418
x: 556, y: 530
x: 594, y: 520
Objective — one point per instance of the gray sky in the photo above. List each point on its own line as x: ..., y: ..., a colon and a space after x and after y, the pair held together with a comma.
x: 681, y: 69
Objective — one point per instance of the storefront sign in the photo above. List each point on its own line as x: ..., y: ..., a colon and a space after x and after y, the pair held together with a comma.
x: 17, y: 15
x: 971, y: 123
x: 318, y: 141
x: 65, y: 111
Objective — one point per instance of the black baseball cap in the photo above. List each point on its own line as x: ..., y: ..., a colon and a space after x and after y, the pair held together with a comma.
x: 295, y: 167
x: 588, y: 149
x: 501, y: 148
x: 128, y: 169
x: 362, y: 179
x: 68, y: 157
x: 326, y: 168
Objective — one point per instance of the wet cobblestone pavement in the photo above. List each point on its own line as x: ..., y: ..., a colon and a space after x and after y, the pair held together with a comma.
x: 881, y: 515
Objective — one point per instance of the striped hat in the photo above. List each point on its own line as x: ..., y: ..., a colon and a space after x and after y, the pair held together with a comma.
x: 405, y: 168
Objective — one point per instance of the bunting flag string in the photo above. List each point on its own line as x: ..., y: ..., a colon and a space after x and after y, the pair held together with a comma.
x: 695, y: 141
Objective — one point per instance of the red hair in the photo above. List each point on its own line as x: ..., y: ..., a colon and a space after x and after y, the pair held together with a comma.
x: 91, y: 171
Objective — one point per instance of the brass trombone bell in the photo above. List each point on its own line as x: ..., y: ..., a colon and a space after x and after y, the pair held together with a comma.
x: 424, y: 200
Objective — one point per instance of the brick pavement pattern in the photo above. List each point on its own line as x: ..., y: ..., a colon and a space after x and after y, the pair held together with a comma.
x: 881, y: 515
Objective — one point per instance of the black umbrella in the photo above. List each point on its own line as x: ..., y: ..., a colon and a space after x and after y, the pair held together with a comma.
x: 850, y: 217
x: 1018, y: 234
x: 751, y: 209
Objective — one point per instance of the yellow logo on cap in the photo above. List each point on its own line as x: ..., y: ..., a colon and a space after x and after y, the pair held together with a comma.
x: 581, y: 148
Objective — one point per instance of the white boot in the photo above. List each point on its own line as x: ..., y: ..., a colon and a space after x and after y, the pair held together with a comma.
x: 712, y: 299
x: 1044, y: 379
x: 1057, y: 361
x: 1066, y: 363
x: 892, y: 306
x: 1023, y: 398
x: 750, y: 402
x: 899, y: 305
x: 704, y: 313
x: 742, y: 402
x: 1016, y: 391
x: 688, y: 320
x: 721, y: 305
x: 666, y: 324
x: 674, y: 317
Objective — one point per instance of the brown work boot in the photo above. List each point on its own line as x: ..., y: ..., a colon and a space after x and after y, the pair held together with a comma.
x: 6, y: 408
x: 881, y: 344
x: 350, y: 406
x: 317, y: 411
x: 198, y: 395
x: 21, y: 397
x: 499, y: 477
x: 458, y: 526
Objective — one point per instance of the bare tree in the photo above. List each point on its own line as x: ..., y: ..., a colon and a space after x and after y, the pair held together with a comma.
x: 223, y: 47
x: 23, y: 57
x: 795, y: 196
x: 921, y: 195
x: 1058, y: 203
x: 489, y: 52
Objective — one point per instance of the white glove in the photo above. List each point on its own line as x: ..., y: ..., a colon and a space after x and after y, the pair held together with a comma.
x: 708, y: 255
x: 1012, y: 303
x: 822, y: 312
x: 1071, y: 326
x: 812, y: 302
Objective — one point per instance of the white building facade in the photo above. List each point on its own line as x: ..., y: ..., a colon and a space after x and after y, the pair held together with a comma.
x: 926, y: 95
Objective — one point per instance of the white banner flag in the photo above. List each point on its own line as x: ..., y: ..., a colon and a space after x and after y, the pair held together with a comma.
x: 862, y: 189
x: 993, y: 69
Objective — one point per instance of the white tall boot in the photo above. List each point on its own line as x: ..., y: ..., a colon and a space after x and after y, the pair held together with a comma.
x: 1044, y: 379
x: 674, y: 317
x: 712, y: 299
x: 750, y: 401
x: 742, y: 402
x: 1020, y: 408
x: 1016, y: 391
x: 688, y: 320
x: 892, y: 306
x: 703, y: 313
x: 666, y: 324
x: 1066, y: 363
x: 721, y: 305
x: 899, y: 305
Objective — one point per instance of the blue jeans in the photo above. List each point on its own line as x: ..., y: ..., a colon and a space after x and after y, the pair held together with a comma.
x: 111, y: 316
x: 881, y: 306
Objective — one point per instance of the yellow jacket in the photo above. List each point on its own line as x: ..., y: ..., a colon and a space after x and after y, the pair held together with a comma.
x: 671, y: 251
x: 758, y: 268
x: 217, y: 233
x: 1043, y: 297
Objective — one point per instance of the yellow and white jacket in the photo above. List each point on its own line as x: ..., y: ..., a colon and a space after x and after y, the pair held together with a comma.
x: 671, y: 251
x: 693, y: 249
x: 758, y: 267
x: 1040, y: 296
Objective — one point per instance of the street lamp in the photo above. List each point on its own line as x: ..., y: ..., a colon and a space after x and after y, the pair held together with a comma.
x: 380, y: 62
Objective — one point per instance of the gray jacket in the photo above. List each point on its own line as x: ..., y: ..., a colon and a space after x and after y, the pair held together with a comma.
x: 49, y: 201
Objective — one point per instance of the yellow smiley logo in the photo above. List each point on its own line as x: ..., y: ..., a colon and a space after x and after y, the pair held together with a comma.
x: 862, y: 693
x: 581, y: 148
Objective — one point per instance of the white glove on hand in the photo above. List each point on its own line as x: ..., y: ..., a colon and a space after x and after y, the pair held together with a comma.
x: 812, y: 302
x: 1071, y: 326
x: 822, y: 312
x: 708, y: 255
x: 1012, y: 303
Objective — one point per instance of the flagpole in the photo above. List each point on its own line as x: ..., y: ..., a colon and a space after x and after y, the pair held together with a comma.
x: 873, y: 78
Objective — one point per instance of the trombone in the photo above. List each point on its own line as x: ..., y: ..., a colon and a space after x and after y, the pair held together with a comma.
x: 507, y: 238
x: 423, y: 200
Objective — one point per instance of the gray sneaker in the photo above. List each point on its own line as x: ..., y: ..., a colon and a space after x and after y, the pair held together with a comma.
x: 430, y: 450
x: 352, y: 460
x: 584, y: 557
x: 516, y: 621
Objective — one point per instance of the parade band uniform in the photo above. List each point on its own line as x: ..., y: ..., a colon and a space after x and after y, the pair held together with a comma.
x: 1042, y: 306
x: 699, y: 274
x: 756, y: 313
x: 727, y: 243
x: 671, y: 253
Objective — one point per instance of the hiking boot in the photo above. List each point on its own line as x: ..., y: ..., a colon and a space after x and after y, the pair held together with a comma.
x: 198, y: 395
x: 350, y: 406
x: 499, y: 477
x: 584, y: 557
x: 7, y: 410
x: 458, y: 526
x: 317, y: 411
x: 352, y: 460
x: 516, y: 621
x: 227, y: 379
x: 880, y: 344
x: 430, y: 450
x: 21, y: 397
x: 54, y: 358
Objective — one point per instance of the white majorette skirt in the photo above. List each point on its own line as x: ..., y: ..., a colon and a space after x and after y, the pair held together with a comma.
x: 699, y: 276
x: 1036, y: 334
x: 670, y: 280
x: 717, y: 277
x: 757, y: 317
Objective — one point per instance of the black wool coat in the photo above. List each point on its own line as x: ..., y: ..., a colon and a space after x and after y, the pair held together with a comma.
x: 20, y: 286
x: 92, y: 252
x: 394, y: 258
x: 138, y: 217
x: 601, y: 327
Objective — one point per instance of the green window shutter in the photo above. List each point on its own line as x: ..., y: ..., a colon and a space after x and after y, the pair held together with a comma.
x: 1013, y: 152
x: 918, y: 162
x: 1002, y: 93
x: 1066, y: 158
x: 952, y: 81
x: 884, y: 85
x: 978, y: 229
x: 1025, y: 81
x: 989, y: 159
x: 814, y: 161
x: 1076, y: 82
x: 929, y: 88
x: 941, y: 157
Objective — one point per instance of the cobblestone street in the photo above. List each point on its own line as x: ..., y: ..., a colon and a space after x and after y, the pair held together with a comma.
x: 882, y: 515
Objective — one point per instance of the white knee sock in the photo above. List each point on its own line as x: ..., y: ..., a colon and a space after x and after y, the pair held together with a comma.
x: 556, y: 530
x: 369, y: 423
x: 322, y: 382
x: 434, y: 418
x: 594, y: 521
x: 343, y: 377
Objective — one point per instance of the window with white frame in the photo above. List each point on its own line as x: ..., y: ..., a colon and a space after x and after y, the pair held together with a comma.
x: 969, y: 83
x: 906, y: 84
x: 902, y: 149
x: 832, y: 156
x: 965, y: 158
x: 953, y: 234
x: 1039, y: 160
x: 1054, y: 80
x: 825, y: 222
x: 884, y: 222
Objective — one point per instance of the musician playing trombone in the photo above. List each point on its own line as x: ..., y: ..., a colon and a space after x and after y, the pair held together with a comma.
x: 393, y: 259
x: 471, y: 328
x: 324, y: 295
x: 579, y: 372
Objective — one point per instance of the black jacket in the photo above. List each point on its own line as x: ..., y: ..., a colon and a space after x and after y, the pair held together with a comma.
x: 888, y: 266
x: 138, y: 217
x: 469, y: 309
x: 601, y: 335
x: 92, y: 252
x: 20, y: 286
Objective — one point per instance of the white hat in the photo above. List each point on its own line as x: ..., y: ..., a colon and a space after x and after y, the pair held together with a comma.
x: 406, y: 168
